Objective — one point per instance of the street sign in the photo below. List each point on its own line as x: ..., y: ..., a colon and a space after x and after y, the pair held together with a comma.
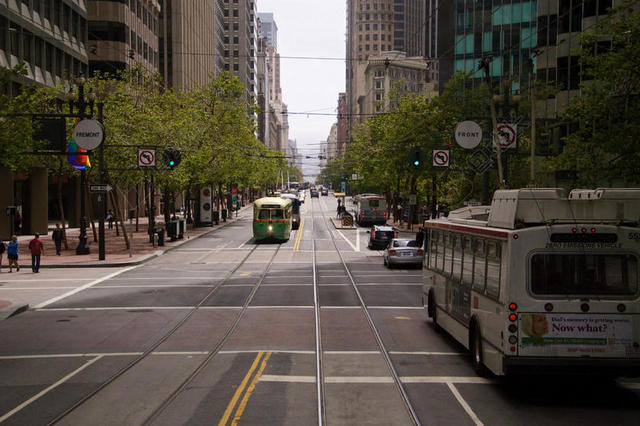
x: 468, y: 134
x: 507, y: 135
x: 100, y: 188
x: 413, y: 199
x: 146, y: 157
x: 88, y: 134
x: 440, y: 158
x: 354, y: 176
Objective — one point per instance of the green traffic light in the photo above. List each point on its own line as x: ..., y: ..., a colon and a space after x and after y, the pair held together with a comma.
x: 172, y: 163
x: 416, y: 163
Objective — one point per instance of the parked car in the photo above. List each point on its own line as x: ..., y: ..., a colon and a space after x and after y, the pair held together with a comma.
x: 380, y: 236
x: 301, y: 196
x: 314, y: 193
x: 325, y: 191
x: 402, y: 251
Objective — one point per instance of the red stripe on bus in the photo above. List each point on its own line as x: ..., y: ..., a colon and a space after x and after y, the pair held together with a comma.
x: 476, y: 231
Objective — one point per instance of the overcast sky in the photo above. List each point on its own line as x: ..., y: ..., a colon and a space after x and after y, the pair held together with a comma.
x: 310, y: 28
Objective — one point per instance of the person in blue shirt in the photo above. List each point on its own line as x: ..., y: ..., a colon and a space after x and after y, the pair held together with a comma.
x: 12, y: 253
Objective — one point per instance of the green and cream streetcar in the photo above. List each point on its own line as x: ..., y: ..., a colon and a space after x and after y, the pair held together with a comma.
x: 272, y: 219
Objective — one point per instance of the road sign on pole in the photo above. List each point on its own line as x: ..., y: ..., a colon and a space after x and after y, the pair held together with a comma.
x: 507, y: 135
x: 146, y: 157
x: 468, y: 134
x: 440, y: 157
x: 354, y: 176
x: 100, y: 188
x: 88, y: 134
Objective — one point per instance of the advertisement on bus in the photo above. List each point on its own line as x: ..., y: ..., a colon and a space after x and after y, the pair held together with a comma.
x: 545, y: 334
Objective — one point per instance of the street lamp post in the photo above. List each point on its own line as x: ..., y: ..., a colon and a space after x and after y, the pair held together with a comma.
x: 80, y: 103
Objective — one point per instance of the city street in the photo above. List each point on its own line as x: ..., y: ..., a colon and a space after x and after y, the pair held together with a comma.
x: 221, y: 330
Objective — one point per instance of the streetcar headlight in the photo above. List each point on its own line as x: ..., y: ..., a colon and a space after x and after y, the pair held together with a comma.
x: 270, y: 228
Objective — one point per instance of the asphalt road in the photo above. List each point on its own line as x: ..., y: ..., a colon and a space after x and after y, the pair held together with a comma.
x: 222, y: 330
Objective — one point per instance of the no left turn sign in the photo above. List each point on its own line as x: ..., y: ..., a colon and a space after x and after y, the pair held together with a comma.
x: 146, y: 157
x: 441, y: 158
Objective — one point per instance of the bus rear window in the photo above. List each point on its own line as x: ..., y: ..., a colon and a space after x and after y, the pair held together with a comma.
x: 374, y: 203
x: 555, y: 274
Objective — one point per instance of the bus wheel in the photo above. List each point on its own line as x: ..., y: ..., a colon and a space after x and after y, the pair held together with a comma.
x: 476, y: 352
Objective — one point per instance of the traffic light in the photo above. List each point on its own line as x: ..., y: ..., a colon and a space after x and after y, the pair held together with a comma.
x: 171, y: 157
x: 416, y: 158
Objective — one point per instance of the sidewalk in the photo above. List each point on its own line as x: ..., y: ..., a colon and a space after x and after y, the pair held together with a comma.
x: 116, y: 252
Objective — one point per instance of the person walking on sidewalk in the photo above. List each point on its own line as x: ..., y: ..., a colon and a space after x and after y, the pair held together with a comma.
x: 12, y: 253
x: 37, y: 249
x: 2, y: 250
x: 110, y: 219
x: 58, y: 236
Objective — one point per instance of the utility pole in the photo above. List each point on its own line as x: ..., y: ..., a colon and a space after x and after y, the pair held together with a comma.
x: 484, y: 64
x: 102, y: 205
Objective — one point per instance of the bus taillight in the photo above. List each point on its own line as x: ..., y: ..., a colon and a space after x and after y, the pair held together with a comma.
x: 548, y: 307
x: 513, y: 317
x: 512, y: 328
x: 513, y: 306
x: 621, y: 307
x: 584, y: 307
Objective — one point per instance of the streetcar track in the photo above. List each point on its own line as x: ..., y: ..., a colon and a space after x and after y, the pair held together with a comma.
x: 167, y: 402
x: 151, y: 350
x: 384, y: 351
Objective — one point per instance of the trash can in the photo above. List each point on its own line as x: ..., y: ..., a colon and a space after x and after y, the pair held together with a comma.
x: 224, y: 215
x: 160, y: 233
x: 216, y: 216
x: 182, y: 228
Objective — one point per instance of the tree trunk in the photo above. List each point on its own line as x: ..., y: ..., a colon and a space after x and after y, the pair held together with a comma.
x: 118, y: 212
x: 137, y: 204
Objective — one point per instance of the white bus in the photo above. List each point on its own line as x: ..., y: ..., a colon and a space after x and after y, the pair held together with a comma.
x: 539, y: 281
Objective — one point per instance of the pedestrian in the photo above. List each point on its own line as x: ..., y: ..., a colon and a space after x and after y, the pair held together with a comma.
x: 339, y: 202
x: 17, y: 221
x: 37, y: 249
x: 110, y: 219
x: 2, y: 250
x: 12, y: 253
x: 58, y: 236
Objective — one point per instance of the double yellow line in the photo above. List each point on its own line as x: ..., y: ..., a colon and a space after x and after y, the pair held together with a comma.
x: 296, y: 245
x: 241, y: 388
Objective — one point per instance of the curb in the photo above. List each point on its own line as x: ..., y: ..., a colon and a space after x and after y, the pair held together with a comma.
x: 141, y: 259
x: 337, y: 226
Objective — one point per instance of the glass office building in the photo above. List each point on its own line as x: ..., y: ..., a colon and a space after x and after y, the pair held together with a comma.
x: 504, y: 30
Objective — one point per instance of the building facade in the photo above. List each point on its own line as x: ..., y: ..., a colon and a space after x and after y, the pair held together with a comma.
x: 240, y: 26
x: 49, y: 37
x: 187, y: 42
x: 376, y: 26
x: 123, y: 33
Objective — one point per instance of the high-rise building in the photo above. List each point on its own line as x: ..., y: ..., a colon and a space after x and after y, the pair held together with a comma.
x: 187, y: 42
x: 379, y: 26
x: 269, y: 29
x: 240, y: 28
x: 50, y: 38
x: 439, y: 40
x: 123, y: 33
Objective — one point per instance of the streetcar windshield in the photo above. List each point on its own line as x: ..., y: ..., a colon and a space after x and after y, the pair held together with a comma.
x: 584, y: 274
x: 266, y: 214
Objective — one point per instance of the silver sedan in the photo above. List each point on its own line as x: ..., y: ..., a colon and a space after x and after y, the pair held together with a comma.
x: 402, y: 251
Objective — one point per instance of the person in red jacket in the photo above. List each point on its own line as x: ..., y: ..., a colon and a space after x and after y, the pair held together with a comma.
x: 37, y: 249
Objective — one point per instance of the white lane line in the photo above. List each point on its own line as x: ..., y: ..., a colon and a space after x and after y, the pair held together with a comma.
x: 275, y: 351
x: 287, y: 379
x: 181, y: 353
x: 114, y: 287
x: 88, y: 355
x: 84, y: 287
x: 356, y: 379
x: 427, y: 353
x: 169, y: 278
x: 345, y: 238
x: 352, y: 352
x: 116, y: 308
x: 413, y: 308
x: 447, y: 379
x: 464, y: 404
x: 280, y: 307
x: 387, y: 285
x: 357, y: 240
x: 341, y: 307
x: 48, y: 389
x: 200, y: 258
x: 50, y: 280
x: 33, y: 288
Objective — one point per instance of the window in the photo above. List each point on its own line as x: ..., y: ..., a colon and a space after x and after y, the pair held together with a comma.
x: 456, y: 273
x: 493, y: 268
x: 584, y: 274
x: 467, y: 260
x: 479, y: 264
x: 109, y: 31
x: 448, y: 254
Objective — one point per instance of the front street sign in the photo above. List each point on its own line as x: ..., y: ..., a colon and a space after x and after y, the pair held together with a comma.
x: 99, y: 188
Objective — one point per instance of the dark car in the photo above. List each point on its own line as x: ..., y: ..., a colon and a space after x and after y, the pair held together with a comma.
x: 379, y: 237
x: 314, y: 193
x: 325, y: 191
